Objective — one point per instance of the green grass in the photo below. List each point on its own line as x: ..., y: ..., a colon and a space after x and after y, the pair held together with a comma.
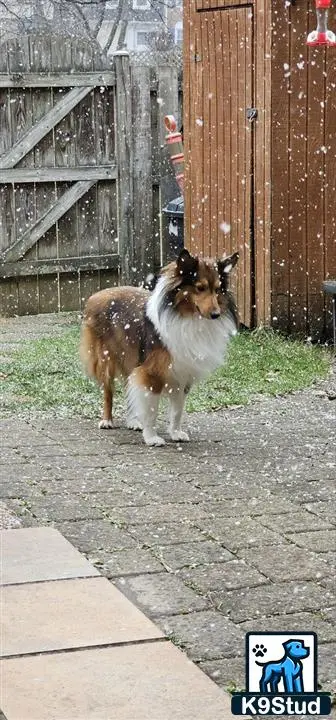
x: 46, y: 374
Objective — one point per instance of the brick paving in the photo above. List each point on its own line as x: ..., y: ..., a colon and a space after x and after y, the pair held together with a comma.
x: 232, y: 532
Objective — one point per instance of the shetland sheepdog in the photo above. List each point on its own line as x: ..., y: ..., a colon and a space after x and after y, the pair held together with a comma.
x: 162, y: 341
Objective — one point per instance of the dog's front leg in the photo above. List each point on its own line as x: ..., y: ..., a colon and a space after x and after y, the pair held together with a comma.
x: 177, y: 399
x: 288, y: 682
x: 144, y: 404
x: 298, y: 684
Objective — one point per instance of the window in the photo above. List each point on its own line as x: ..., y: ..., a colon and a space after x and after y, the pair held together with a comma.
x: 142, y: 39
x: 141, y: 4
x: 178, y: 33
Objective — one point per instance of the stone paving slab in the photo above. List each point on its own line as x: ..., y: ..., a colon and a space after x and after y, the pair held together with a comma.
x: 39, y: 617
x: 36, y: 554
x: 142, y: 682
x: 161, y: 594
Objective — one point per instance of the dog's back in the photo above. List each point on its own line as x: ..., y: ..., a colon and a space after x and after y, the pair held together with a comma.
x: 111, y: 332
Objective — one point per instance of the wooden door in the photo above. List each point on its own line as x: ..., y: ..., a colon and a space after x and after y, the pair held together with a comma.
x: 219, y: 143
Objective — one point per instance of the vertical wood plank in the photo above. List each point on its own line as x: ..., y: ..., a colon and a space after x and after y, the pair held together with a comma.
x: 69, y: 291
x: 125, y: 162
x: 107, y: 217
x: 280, y: 99
x: 298, y: 173
x: 261, y: 154
x: 167, y: 105
x: 44, y: 152
x: 104, y: 125
x: 9, y: 298
x: 142, y: 172
x: 88, y: 232
x: 330, y: 194
x: 27, y: 296
x: 89, y: 284
x: 48, y: 294
x: 316, y: 180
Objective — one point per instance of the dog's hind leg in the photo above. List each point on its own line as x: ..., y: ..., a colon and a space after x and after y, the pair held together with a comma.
x: 274, y: 685
x: 106, y: 376
x: 107, y: 423
x: 262, y: 685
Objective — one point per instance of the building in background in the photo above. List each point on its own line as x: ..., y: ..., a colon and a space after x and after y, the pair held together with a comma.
x: 150, y: 24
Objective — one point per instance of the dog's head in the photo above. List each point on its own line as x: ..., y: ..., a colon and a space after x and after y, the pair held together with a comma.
x: 295, y: 649
x: 200, y: 287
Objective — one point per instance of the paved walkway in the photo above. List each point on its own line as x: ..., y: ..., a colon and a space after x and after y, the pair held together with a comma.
x: 81, y: 650
x: 232, y: 532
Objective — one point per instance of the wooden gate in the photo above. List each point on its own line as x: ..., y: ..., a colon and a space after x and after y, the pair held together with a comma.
x: 58, y: 191
x: 219, y: 215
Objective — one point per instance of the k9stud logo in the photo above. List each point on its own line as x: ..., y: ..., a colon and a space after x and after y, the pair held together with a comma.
x: 281, y: 676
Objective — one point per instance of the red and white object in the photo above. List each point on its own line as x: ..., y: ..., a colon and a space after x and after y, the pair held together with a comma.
x: 175, y: 145
x: 322, y: 36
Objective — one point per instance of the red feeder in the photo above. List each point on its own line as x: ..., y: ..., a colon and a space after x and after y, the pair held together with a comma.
x: 322, y: 36
x: 175, y: 145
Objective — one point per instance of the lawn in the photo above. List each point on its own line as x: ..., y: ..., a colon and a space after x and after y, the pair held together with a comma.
x: 46, y: 374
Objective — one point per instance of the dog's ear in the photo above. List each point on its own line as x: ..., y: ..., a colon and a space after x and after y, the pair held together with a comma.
x: 227, y: 264
x: 187, y: 266
x: 224, y: 268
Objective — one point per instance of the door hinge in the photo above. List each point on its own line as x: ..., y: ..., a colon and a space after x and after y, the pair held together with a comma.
x: 251, y: 114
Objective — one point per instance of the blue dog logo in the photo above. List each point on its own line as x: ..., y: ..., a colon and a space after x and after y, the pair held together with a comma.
x: 289, y: 669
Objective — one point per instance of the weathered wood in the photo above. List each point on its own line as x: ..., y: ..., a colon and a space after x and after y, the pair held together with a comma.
x: 63, y: 80
x: 107, y: 217
x: 167, y: 105
x: 125, y: 163
x: 41, y: 226
x: 142, y: 166
x: 203, y: 5
x: 59, y: 265
x: 36, y: 133
x: 57, y: 174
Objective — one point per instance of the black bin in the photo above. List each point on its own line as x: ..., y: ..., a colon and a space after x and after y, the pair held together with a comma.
x: 173, y: 227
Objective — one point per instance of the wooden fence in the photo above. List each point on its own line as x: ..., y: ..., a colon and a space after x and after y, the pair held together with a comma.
x: 83, y: 171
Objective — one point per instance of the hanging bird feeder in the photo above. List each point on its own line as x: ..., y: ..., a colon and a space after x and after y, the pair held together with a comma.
x: 322, y: 36
x: 175, y: 145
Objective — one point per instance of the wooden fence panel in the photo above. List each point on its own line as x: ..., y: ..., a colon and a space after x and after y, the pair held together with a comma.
x: 84, y: 173
x: 58, y: 153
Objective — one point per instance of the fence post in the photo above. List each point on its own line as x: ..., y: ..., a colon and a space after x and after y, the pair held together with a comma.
x: 124, y: 152
x: 142, y: 172
x: 167, y: 105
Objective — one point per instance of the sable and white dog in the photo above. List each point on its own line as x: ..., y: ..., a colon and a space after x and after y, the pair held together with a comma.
x: 161, y: 342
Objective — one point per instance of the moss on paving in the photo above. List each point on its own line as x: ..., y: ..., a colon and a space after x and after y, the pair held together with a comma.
x: 46, y: 374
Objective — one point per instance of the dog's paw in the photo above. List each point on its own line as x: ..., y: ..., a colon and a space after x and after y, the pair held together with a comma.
x: 105, y: 425
x: 179, y: 436
x: 133, y: 424
x: 259, y: 650
x: 154, y: 441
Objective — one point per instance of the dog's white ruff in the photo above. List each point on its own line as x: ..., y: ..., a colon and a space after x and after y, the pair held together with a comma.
x: 197, y: 345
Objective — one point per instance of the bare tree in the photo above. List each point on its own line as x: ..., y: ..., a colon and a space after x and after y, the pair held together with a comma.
x: 74, y: 17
